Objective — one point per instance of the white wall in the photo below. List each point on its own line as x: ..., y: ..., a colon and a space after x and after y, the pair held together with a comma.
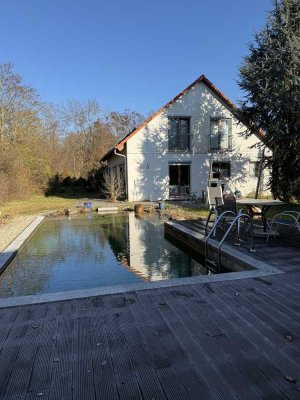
x: 148, y: 156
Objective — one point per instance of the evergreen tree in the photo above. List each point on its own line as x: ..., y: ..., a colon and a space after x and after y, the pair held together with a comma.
x: 270, y: 78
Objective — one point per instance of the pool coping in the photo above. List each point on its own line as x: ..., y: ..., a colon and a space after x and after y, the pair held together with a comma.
x: 261, y: 269
x: 11, y: 250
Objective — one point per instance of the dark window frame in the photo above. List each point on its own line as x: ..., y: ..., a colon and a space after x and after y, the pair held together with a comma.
x: 220, y: 167
x: 256, y: 169
x: 219, y: 135
x: 178, y: 135
x: 180, y: 181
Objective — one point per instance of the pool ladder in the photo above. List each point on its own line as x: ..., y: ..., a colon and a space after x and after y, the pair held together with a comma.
x: 213, y: 265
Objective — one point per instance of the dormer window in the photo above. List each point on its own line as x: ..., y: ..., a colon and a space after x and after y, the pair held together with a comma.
x: 220, y: 137
x: 179, y: 133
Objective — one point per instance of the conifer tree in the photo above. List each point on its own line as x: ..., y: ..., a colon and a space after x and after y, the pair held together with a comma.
x: 270, y: 78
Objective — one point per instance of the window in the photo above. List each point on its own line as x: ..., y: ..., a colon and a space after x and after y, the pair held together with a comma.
x: 220, y: 134
x: 179, y: 133
x: 254, y: 168
x: 220, y: 170
x: 179, y: 178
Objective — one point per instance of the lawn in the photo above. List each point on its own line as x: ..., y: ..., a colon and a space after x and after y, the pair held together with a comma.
x: 40, y: 204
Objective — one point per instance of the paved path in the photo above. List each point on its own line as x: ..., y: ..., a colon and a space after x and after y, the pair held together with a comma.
x: 224, y: 340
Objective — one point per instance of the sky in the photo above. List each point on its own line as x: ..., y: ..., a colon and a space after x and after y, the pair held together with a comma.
x: 130, y: 54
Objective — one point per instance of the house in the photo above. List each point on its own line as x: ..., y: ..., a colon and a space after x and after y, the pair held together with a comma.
x: 193, y: 140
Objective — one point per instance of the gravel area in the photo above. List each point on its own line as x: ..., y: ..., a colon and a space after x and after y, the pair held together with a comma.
x: 11, y: 228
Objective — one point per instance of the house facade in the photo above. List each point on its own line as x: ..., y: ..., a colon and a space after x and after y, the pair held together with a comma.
x: 193, y: 141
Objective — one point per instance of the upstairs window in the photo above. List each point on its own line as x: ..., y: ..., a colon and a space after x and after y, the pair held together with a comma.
x: 220, y: 134
x: 179, y: 133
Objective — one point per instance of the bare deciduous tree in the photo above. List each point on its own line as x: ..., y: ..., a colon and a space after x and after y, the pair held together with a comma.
x: 113, y: 184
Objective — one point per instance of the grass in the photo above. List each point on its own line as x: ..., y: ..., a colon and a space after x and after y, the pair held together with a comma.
x: 39, y: 204
x: 42, y: 204
x: 185, y: 211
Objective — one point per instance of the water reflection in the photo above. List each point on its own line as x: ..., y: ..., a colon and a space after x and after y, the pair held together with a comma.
x: 93, y: 251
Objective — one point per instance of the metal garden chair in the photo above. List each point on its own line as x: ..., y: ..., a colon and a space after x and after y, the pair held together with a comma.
x: 287, y: 218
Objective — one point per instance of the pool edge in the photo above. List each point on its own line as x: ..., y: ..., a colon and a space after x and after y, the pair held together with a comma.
x: 260, y: 269
x: 11, y: 250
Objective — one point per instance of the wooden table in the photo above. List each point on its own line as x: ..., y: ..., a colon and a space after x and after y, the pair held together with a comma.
x: 264, y: 204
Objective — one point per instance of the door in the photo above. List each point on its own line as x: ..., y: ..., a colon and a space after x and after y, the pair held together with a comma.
x: 179, y: 179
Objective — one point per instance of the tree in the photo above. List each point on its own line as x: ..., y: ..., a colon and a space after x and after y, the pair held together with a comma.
x: 16, y: 99
x: 23, y: 154
x: 270, y: 77
x: 124, y: 123
x: 113, y: 185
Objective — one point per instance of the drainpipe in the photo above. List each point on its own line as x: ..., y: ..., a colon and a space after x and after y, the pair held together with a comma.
x: 125, y: 159
x: 259, y: 173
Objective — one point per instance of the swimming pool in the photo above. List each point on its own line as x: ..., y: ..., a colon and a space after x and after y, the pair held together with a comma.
x: 89, y: 251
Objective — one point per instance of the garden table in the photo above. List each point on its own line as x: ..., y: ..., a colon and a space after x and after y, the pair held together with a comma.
x: 264, y: 204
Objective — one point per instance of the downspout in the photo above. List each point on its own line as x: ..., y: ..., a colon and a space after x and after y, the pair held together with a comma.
x: 260, y: 172
x: 125, y: 159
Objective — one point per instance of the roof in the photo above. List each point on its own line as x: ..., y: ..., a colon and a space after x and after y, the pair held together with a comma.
x: 120, y: 145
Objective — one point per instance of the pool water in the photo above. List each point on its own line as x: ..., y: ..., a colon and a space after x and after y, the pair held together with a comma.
x: 88, y: 251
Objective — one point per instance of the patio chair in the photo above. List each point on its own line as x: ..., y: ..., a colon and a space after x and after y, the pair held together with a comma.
x: 287, y: 218
x: 213, y: 193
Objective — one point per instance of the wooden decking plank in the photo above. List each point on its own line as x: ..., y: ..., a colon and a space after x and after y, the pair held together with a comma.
x: 181, y: 364
x: 285, y: 300
x: 141, y: 361
x: 8, y: 316
x: 274, y: 330
x: 184, y: 297
x: 171, y: 384
x: 20, y: 375
x: 242, y: 336
x: 82, y: 307
x: 257, y: 317
x: 274, y: 303
x: 61, y: 378
x: 156, y: 349
x: 255, y: 351
x: 40, y: 395
x: 159, y: 355
x: 177, y: 336
x: 11, y: 349
x: 82, y: 376
x: 237, y: 349
x: 41, y: 373
x: 104, y: 381
x: 213, y: 347
x: 288, y: 280
x: 278, y: 366
x: 125, y: 377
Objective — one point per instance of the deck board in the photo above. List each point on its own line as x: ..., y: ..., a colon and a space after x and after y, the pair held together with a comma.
x: 222, y: 340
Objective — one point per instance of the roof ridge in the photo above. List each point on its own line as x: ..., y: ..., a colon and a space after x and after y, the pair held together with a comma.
x: 202, y: 78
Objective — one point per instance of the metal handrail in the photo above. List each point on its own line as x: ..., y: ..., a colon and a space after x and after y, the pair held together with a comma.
x: 236, y: 219
x: 228, y: 231
x: 216, y: 223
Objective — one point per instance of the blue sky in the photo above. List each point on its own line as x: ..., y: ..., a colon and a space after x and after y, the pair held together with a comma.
x: 135, y: 54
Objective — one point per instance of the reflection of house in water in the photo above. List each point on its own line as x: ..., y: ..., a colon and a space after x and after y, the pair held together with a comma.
x: 139, y: 246
x: 151, y: 256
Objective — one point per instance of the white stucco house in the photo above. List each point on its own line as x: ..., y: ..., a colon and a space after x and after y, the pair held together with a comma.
x: 191, y: 141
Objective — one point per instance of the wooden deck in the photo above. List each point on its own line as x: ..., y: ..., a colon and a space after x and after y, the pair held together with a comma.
x: 224, y: 340
x: 282, y: 253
